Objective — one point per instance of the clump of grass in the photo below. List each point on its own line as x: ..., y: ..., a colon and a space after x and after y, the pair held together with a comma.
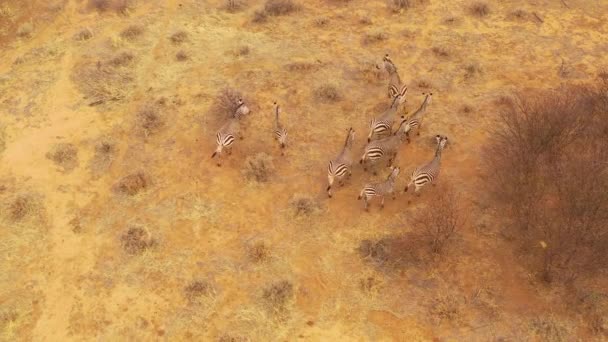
x: 450, y: 20
x: 519, y: 14
x: 374, y: 37
x: 105, y: 151
x: 122, y: 59
x: 301, y: 66
x: 136, y: 240
x: 550, y: 329
x: 242, y: 50
x: 179, y: 37
x: 479, y: 9
x: 327, y: 93
x: 471, y: 71
x: 84, y: 34
x: 118, y: 6
x: 399, y: 5
x: 20, y: 207
x: 132, y: 32
x: 181, y: 56
x: 368, y: 284
x: 133, y: 184
x: 197, y: 291
x: 440, y: 52
x: 76, y: 225
x: 466, y: 109
x: 233, y: 6
x: 225, y: 103
x: 149, y: 120
x: 259, y: 252
x: 447, y: 308
x: 259, y: 168
x: 370, y: 72
x: 101, y: 82
x: 321, y: 21
x: 304, y: 205
x: 25, y: 30
x: 280, y: 7
x: 365, y: 20
x: 231, y: 338
x: 424, y: 84
x: 64, y: 155
x: 277, y: 296
x: 259, y: 16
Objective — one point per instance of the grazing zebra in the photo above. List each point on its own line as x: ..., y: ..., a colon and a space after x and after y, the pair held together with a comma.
x: 394, y: 82
x: 241, y: 109
x: 386, y: 147
x: 280, y: 133
x: 415, y: 120
x: 430, y: 171
x: 380, y: 189
x: 383, y: 125
x: 340, y: 167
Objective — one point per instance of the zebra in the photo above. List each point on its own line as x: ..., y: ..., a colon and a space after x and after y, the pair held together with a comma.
x: 428, y: 172
x: 415, y: 120
x: 380, y: 189
x: 340, y: 167
x: 280, y: 132
x: 227, y: 134
x: 394, y: 82
x: 241, y: 109
x: 383, y: 125
x: 388, y: 147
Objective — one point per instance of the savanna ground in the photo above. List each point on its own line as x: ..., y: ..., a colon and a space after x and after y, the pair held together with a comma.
x: 116, y: 224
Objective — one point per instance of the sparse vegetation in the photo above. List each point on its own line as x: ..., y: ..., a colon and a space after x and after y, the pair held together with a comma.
x: 225, y: 103
x: 479, y: 9
x: 258, y: 168
x: 136, y: 240
x: 20, y: 207
x: 84, y: 34
x: 280, y: 7
x: 242, y: 50
x: 277, y: 297
x: 471, y: 71
x: 102, y: 82
x: 234, y: 5
x: 64, y: 155
x: 181, y: 56
x: 179, y: 37
x: 399, y: 5
x: 105, y: 151
x: 259, y: 252
x: 118, y: 6
x: 132, y: 32
x: 440, y: 52
x: 198, y: 290
x: 133, y: 184
x: 304, y: 204
x: 121, y: 60
x: 149, y: 120
x: 327, y: 93
x: 25, y: 30
x: 321, y: 21
x: 374, y: 37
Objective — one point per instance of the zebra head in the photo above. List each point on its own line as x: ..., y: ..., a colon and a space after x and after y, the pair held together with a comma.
x: 394, y: 172
x: 428, y: 98
x: 241, y: 109
x: 398, y: 95
x: 388, y: 64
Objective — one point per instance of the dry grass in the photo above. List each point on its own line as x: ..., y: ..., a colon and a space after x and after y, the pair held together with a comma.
x: 149, y: 120
x: 198, y: 291
x: 242, y: 50
x: 259, y: 16
x: 374, y: 38
x: 302, y: 66
x: 132, y: 32
x: 182, y: 56
x: 25, y: 30
x: 277, y: 296
x: 472, y: 70
x: 101, y: 82
x: 133, y: 184
x: 440, y: 52
x: 259, y: 252
x: 64, y: 155
x: 304, y: 205
x: 118, y: 6
x: 20, y: 207
x: 479, y: 9
x: 122, y: 59
x: 179, y: 37
x: 234, y: 6
x: 136, y: 240
x: 259, y: 168
x: 399, y: 5
x: 84, y: 34
x: 447, y: 308
x: 550, y: 329
x: 327, y: 93
x: 280, y: 7
x: 321, y: 21
x: 225, y: 103
x: 105, y: 152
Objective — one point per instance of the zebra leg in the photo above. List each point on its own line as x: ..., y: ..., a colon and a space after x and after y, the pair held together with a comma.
x: 365, y: 204
x: 407, y: 137
x: 382, y: 203
x: 418, y: 130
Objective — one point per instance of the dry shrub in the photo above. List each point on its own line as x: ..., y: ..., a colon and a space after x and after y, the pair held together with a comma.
x: 440, y: 52
x: 393, y: 252
x: 233, y: 6
x: 259, y: 252
x: 398, y: 5
x: 365, y: 20
x: 304, y: 205
x: 102, y: 82
x: 259, y: 16
x: 118, y: 6
x: 25, y: 30
x: 520, y: 15
x: 121, y: 60
x: 197, y: 291
x: 132, y: 32
x: 479, y: 9
x: 20, y: 208
x: 105, y: 151
x: 593, y: 306
x: 547, y: 161
x: 466, y: 109
x: 472, y: 70
x: 133, y: 184
x: 327, y: 93
x: 258, y: 168
x: 64, y: 155
x: 277, y: 297
x: 136, y: 240
x: 225, y: 103
x: 242, y: 50
x: 321, y: 21
x: 149, y: 120
x: 179, y: 37
x: 181, y: 56
x: 374, y: 37
x: 280, y: 7
x: 439, y: 221
x: 84, y: 34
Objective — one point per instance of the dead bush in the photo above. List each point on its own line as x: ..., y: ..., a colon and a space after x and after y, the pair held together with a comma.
x: 20, y: 208
x: 546, y: 161
x: 136, y: 240
x: 198, y: 290
x: 84, y: 34
x: 25, y: 30
x: 439, y: 222
x: 479, y: 9
x: 149, y: 120
x: 132, y: 32
x: 399, y: 5
x: 374, y: 37
x: 277, y: 296
x: 121, y: 60
x: 280, y: 7
x: 258, y: 168
x: 304, y: 205
x: 233, y: 6
x: 327, y: 93
x: 181, y: 56
x: 225, y: 103
x: 64, y: 155
x: 101, y: 82
x: 179, y: 37
x: 259, y: 252
x: 105, y: 151
x: 440, y: 52
x: 133, y: 184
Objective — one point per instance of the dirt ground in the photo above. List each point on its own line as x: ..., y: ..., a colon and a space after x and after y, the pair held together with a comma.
x: 115, y: 223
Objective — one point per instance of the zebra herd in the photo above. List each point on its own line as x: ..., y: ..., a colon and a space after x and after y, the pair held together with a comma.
x: 382, y: 142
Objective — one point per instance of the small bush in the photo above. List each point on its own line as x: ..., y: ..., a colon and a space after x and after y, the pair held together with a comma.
x: 181, y: 56
x: 233, y: 6
x: 197, y: 290
x: 520, y: 15
x: 133, y: 184
x: 84, y: 34
x: 121, y: 60
x: 259, y: 252
x: 179, y: 37
x: 105, y: 151
x: 25, y: 30
x: 64, y: 155
x: 479, y: 9
x: 394, y: 252
x: 327, y: 93
x: 440, y: 52
x: 304, y: 204
x: 136, y: 240
x: 149, y: 120
x: 302, y: 66
x: 225, y: 103
x: 280, y: 7
x: 20, y: 208
x: 277, y: 296
x: 471, y: 71
x: 321, y: 21
x: 242, y: 51
x: 365, y: 20
x: 398, y: 5
x: 101, y: 82
x: 132, y: 32
x: 374, y: 37
x: 259, y: 168
x: 260, y: 16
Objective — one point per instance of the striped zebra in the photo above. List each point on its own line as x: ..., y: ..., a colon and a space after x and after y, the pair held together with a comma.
x: 415, y: 120
x: 394, y: 81
x: 380, y: 189
x: 428, y: 172
x: 230, y: 130
x: 280, y: 133
x: 340, y: 167
x: 383, y: 125
x: 241, y: 110
x: 386, y: 147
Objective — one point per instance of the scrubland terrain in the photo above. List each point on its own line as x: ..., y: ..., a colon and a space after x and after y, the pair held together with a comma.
x: 115, y: 224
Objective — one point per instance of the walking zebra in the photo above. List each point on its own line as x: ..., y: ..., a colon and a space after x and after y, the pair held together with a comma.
x: 227, y: 134
x: 380, y: 189
x: 383, y: 125
x: 394, y: 81
x: 280, y: 133
x: 386, y: 147
x: 415, y: 120
x: 430, y: 171
x: 340, y: 167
